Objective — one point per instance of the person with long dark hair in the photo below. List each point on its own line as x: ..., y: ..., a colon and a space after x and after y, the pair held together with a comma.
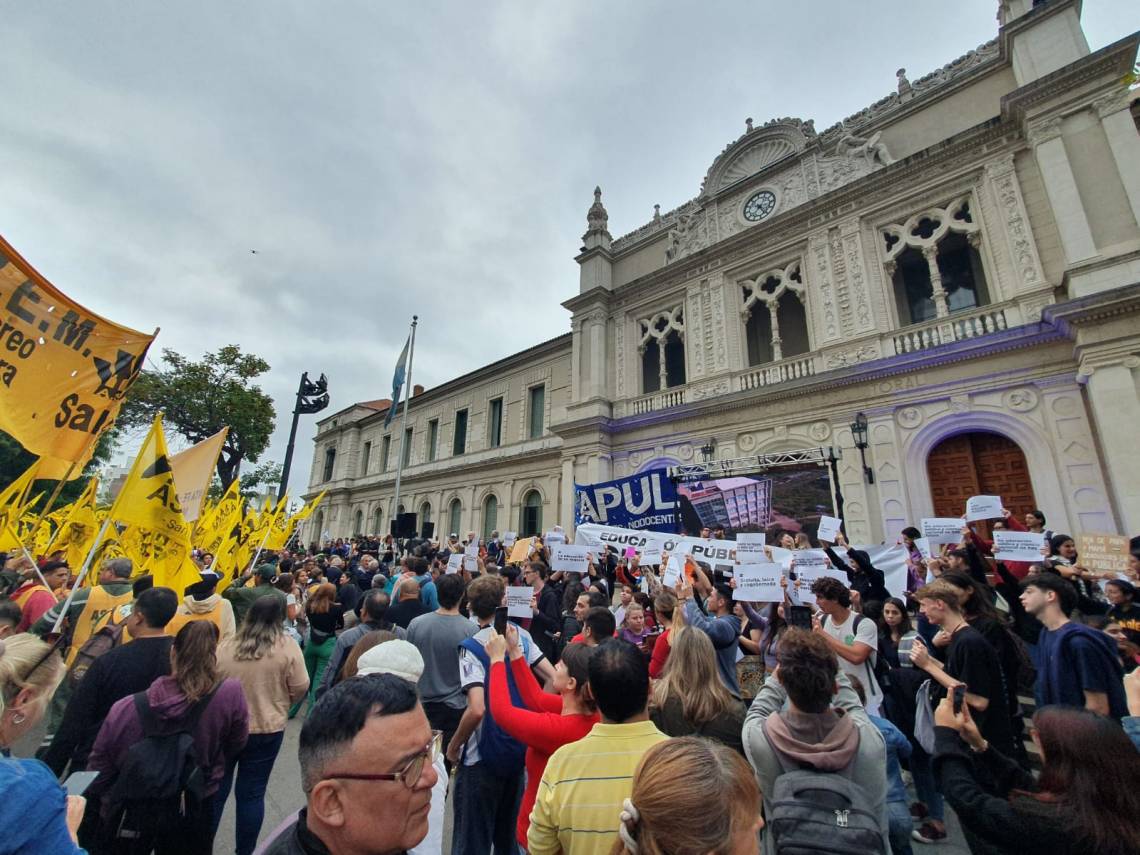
x: 1085, y: 801
x: 269, y: 665
x: 894, y: 623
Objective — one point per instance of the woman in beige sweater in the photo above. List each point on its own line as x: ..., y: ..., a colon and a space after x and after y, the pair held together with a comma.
x: 272, y: 672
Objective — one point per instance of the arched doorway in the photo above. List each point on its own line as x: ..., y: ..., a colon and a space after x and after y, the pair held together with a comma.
x: 979, y: 464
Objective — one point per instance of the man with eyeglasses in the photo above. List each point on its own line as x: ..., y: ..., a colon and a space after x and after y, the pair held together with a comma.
x: 367, y: 768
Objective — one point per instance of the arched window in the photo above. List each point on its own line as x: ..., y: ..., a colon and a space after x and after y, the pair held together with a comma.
x: 490, y: 516
x: 425, y: 513
x: 453, y: 513
x: 377, y: 520
x: 530, y: 517
x: 330, y: 461
x: 662, y: 350
x: 934, y: 263
x: 318, y: 534
x: 358, y: 522
x: 775, y: 320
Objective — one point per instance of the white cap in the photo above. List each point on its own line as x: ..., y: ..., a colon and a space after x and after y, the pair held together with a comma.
x: 397, y: 657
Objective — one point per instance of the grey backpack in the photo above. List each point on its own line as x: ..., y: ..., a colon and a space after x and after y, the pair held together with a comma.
x: 821, y: 812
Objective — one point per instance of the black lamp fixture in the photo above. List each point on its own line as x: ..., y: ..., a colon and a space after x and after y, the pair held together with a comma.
x: 707, y: 449
x: 859, y: 434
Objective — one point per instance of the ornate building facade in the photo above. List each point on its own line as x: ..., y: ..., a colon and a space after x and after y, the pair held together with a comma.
x: 960, y: 262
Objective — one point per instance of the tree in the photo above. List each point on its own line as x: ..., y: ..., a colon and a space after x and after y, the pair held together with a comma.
x: 199, y: 398
x: 15, y: 460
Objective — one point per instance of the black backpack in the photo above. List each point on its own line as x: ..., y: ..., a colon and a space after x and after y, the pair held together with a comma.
x: 160, y: 791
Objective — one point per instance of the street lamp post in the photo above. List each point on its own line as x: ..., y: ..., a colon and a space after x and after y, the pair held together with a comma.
x: 311, y: 398
x: 859, y: 434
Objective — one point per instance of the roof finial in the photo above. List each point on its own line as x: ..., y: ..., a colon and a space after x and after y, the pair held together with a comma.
x: 904, y: 84
x: 597, y: 218
x: 656, y: 212
x: 748, y: 125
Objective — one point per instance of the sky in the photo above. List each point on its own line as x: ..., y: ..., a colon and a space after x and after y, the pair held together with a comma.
x: 388, y: 159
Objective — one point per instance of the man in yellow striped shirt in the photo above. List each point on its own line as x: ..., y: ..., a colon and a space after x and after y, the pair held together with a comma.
x: 579, y: 798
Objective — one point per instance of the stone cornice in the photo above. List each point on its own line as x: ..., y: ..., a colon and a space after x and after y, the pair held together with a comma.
x: 1095, y: 308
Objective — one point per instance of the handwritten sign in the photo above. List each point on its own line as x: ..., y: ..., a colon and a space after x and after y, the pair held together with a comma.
x: 828, y: 528
x: 750, y: 548
x: 454, y: 563
x: 471, y: 564
x: 521, y: 551
x: 758, y: 583
x: 983, y: 508
x: 569, y: 558
x: 1018, y: 546
x: 942, y: 530
x: 518, y: 601
x: 509, y: 538
x: 1108, y: 552
x: 922, y: 544
x: 472, y: 550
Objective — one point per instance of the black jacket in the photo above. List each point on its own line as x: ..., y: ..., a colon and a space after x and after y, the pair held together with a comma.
x: 864, y: 576
x: 726, y: 728
x: 547, y: 621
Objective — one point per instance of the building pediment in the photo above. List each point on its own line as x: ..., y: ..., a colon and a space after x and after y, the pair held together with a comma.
x: 756, y: 150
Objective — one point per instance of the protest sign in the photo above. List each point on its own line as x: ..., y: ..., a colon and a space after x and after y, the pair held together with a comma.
x: 470, y: 564
x: 647, y: 500
x: 518, y: 601
x: 471, y: 549
x: 758, y: 583
x: 1107, y: 552
x: 711, y: 552
x: 509, y: 538
x: 651, y: 557
x: 1018, y: 545
x: 553, y: 537
x: 828, y: 529
x: 521, y: 551
x: 454, y: 563
x: 673, y: 571
x: 569, y: 558
x: 781, y: 556
x: 750, y: 548
x: 942, y: 530
x: 983, y: 508
x: 922, y: 544
x: 601, y: 536
x: 630, y: 552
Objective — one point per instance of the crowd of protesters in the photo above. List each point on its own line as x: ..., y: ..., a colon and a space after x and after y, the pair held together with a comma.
x: 623, y: 715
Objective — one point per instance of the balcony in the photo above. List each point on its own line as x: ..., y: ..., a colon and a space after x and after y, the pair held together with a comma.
x: 777, y: 372
x: 946, y: 330
x: 657, y: 401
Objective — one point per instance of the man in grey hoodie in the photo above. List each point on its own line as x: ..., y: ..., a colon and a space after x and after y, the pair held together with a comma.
x: 823, y: 727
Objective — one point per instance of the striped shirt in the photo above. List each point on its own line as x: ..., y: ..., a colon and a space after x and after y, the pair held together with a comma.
x: 580, y: 796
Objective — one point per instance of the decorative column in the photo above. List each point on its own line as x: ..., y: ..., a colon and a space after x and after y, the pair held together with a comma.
x: 566, y: 494
x: 937, y: 292
x: 1124, y: 142
x: 777, y: 350
x: 1061, y: 187
x: 662, y: 375
x: 1115, y: 405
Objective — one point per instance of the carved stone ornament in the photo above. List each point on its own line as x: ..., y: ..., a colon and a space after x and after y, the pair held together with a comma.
x: 960, y: 404
x: 1043, y: 130
x: 689, y: 235
x: 845, y: 358
x: 1020, y: 400
x: 746, y: 442
x: 685, y: 451
x: 923, y: 231
x: 819, y: 431
x: 909, y: 417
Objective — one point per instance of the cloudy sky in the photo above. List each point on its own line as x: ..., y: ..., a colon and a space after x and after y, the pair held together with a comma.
x: 388, y: 158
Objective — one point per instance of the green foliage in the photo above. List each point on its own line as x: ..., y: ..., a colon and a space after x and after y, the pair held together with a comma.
x: 14, y: 461
x: 200, y: 398
x: 264, y: 476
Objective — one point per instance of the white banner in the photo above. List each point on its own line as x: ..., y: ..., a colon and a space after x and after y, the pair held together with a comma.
x: 758, y: 583
x: 570, y: 558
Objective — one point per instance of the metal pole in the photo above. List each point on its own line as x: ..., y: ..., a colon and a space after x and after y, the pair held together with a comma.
x: 404, y: 420
x: 833, y: 462
x: 284, y: 485
x: 82, y: 574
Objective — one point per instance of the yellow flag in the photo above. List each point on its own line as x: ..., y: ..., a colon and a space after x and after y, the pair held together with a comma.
x: 215, y: 516
x: 12, y: 507
x: 77, y: 526
x: 193, y: 469
x: 149, y: 498
x: 64, y: 371
x: 165, y: 558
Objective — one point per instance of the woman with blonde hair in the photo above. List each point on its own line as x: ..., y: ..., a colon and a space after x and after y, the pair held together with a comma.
x: 691, y: 796
x: 690, y: 698
x: 36, y: 813
x: 193, y: 696
x: 325, y: 615
x: 271, y: 670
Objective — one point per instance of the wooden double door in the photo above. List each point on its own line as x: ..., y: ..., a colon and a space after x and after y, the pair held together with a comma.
x: 979, y: 464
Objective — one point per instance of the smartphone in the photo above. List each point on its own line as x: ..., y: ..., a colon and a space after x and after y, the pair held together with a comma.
x: 78, y: 782
x: 905, y: 645
x: 959, y: 698
x: 501, y: 620
x: 799, y: 617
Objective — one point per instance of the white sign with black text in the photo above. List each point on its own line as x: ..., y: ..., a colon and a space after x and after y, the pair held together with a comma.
x: 758, y: 583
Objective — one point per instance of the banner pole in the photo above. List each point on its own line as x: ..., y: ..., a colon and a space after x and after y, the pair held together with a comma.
x: 404, y: 421
x: 54, y: 495
x: 264, y: 541
x: 82, y: 574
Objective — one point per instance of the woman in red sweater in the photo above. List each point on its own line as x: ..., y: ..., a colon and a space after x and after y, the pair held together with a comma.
x: 549, y: 721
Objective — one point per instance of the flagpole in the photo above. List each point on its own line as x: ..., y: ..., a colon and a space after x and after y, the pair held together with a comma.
x: 404, y: 421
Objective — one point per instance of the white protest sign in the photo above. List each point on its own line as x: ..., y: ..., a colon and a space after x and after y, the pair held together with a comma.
x: 569, y: 558
x: 474, y: 541
x: 828, y: 529
x: 758, y: 583
x: 1018, y: 545
x: 599, y: 536
x: 650, y: 557
x: 711, y: 552
x: 518, y: 601
x: 673, y: 571
x: 922, y: 544
x: 470, y: 563
x: 942, y: 530
x: 454, y: 563
x: 750, y: 548
x: 553, y: 537
x: 983, y: 508
x: 781, y: 556
x: 472, y: 550
x: 509, y: 538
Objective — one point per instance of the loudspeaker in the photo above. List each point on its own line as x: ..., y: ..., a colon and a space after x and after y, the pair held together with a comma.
x: 427, y: 530
x: 406, y: 525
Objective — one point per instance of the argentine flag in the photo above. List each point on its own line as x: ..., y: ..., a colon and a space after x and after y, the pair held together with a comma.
x: 398, y: 382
